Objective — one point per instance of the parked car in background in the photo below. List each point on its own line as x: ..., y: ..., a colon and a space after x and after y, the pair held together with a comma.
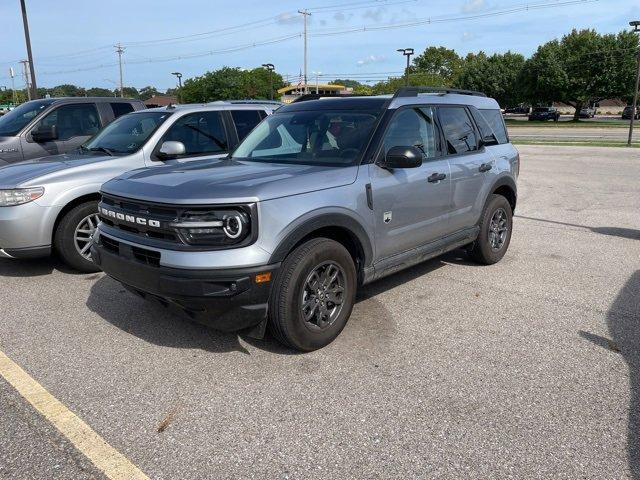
x: 521, y: 109
x: 52, y: 126
x: 544, y: 114
x: 588, y: 112
x: 628, y: 112
x: 52, y: 202
x: 321, y: 197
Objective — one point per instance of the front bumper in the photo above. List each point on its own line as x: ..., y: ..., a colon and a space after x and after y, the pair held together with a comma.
x: 228, y: 299
x: 26, y: 230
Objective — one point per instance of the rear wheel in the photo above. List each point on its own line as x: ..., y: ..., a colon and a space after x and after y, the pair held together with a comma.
x: 74, y: 236
x: 495, y: 231
x: 313, y: 296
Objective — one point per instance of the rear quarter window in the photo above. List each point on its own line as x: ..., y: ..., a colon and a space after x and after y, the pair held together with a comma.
x: 496, y: 122
x: 121, y: 108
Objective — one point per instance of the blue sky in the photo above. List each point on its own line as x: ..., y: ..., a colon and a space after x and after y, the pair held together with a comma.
x: 72, y: 39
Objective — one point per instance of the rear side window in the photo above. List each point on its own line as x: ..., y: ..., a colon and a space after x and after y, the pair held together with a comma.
x: 121, y: 108
x: 245, y: 121
x: 201, y: 133
x: 458, y: 130
x: 496, y: 122
x: 73, y: 120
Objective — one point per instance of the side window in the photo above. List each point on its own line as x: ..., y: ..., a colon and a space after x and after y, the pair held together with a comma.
x: 482, y: 124
x: 121, y: 108
x: 458, y: 130
x: 245, y: 121
x: 201, y: 133
x: 495, y: 120
x: 75, y: 120
x: 412, y: 127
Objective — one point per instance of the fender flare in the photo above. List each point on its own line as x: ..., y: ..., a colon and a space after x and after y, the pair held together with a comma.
x: 322, y: 221
x: 501, y: 182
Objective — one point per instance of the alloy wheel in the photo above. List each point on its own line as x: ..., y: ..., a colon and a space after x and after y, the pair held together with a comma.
x: 83, y: 235
x: 323, y: 295
x: 498, y: 229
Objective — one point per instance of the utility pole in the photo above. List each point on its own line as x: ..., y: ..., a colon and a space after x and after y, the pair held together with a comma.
x: 270, y: 67
x: 25, y: 72
x: 636, y: 29
x: 120, y: 51
x: 305, y: 13
x: 407, y: 52
x: 33, y: 94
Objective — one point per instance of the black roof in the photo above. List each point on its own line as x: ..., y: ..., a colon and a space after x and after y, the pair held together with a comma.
x: 330, y: 103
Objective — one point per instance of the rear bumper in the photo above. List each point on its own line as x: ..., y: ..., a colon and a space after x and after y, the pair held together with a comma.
x: 224, y: 299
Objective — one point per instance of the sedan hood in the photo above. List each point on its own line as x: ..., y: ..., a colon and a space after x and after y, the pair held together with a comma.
x: 14, y: 175
x: 227, y: 180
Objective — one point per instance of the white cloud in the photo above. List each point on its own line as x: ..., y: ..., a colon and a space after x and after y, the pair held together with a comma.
x: 341, y: 17
x: 375, y: 14
x: 289, y: 18
x: 468, y: 36
x: 474, y: 6
x: 371, y: 59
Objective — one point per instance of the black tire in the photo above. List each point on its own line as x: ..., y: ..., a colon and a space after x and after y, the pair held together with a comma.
x: 64, y: 237
x: 482, y: 250
x: 286, y: 320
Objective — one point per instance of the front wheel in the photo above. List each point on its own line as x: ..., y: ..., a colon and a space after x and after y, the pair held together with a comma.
x: 74, y: 236
x: 313, y: 295
x: 495, y: 231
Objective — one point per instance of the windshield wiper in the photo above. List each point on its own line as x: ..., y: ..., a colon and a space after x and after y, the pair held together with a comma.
x: 101, y: 149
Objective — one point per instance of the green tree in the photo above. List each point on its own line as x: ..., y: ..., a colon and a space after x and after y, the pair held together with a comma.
x: 583, y: 67
x: 99, y: 92
x: 392, y: 84
x: 439, y: 62
x: 230, y: 83
x: 66, y: 90
x: 147, y: 92
x: 497, y: 76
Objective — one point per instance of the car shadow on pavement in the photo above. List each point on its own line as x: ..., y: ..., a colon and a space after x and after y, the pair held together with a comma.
x: 623, y: 321
x: 629, y: 233
x: 33, y: 267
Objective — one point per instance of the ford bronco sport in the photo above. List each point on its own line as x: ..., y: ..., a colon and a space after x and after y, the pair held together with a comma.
x: 323, y: 196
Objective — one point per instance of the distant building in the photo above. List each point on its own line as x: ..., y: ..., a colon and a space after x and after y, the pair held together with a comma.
x: 290, y: 93
x: 161, y: 101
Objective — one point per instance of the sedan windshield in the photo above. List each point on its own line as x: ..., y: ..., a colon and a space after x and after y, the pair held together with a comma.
x: 19, y: 117
x: 323, y: 137
x: 126, y: 134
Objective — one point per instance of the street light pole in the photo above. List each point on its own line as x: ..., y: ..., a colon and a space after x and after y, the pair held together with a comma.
x: 179, y: 76
x: 305, y: 13
x: 270, y: 68
x: 120, y: 51
x: 407, y: 52
x: 636, y: 29
x: 33, y: 94
x: 317, y: 74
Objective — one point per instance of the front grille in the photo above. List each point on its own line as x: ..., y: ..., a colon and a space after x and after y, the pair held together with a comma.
x: 146, y: 256
x: 110, y: 244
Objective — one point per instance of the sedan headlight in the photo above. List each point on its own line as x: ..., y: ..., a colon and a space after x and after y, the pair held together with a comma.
x: 218, y: 228
x: 18, y: 196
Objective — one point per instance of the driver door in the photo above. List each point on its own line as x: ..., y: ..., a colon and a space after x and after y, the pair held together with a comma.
x: 411, y: 207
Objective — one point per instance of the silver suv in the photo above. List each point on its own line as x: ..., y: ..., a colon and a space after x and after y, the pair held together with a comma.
x: 53, y: 201
x: 323, y: 196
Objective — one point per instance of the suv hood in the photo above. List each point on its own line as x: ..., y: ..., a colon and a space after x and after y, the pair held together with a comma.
x: 227, y: 180
x: 14, y: 175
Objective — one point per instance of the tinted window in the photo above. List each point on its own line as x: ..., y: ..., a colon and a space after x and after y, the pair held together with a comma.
x: 496, y: 122
x: 129, y: 133
x: 458, y: 130
x: 201, y: 133
x: 324, y: 137
x: 120, y: 109
x: 19, y: 117
x: 245, y: 121
x: 74, y: 120
x: 412, y: 128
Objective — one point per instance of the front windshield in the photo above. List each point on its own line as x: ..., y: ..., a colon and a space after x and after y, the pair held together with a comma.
x: 19, y: 117
x: 127, y: 134
x: 323, y: 137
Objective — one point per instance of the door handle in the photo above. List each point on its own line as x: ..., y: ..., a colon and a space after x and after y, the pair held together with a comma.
x: 436, y: 177
x: 485, y: 167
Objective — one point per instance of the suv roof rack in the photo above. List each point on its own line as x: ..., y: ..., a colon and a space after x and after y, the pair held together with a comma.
x: 318, y: 96
x: 414, y: 91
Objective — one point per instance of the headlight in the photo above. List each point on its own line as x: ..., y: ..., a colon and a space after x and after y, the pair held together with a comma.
x: 220, y: 227
x: 18, y: 196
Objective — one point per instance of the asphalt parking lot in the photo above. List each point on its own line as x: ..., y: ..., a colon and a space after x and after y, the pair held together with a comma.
x: 526, y: 369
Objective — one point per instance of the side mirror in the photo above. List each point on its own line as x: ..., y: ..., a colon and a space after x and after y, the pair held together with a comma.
x: 44, y: 134
x: 488, y: 141
x: 171, y: 149
x: 402, y: 157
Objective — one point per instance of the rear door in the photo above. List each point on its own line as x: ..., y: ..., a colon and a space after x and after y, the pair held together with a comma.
x: 77, y: 122
x: 245, y: 120
x: 469, y: 164
x: 410, y: 207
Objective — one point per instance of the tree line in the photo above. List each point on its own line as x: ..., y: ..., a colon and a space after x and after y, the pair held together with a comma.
x: 69, y: 90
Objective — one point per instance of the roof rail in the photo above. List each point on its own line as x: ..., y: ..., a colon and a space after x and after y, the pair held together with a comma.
x: 318, y: 96
x: 414, y: 91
